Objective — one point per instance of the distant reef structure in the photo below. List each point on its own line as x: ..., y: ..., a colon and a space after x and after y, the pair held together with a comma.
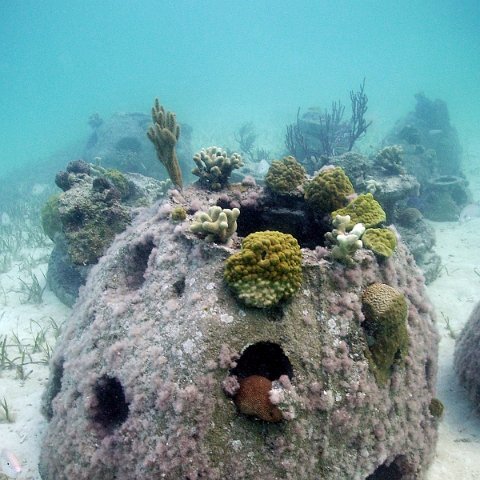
x: 94, y: 205
x: 383, y: 174
x: 121, y: 142
x: 430, y: 150
x: 240, y: 331
x: 326, y: 132
x: 423, y: 144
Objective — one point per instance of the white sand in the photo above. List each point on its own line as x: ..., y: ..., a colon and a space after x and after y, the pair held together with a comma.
x: 454, y: 295
x: 24, y: 396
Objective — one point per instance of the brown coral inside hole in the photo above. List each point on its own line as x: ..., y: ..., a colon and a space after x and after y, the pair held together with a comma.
x: 266, y: 359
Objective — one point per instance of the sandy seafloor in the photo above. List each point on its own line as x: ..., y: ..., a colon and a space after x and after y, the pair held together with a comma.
x: 453, y: 294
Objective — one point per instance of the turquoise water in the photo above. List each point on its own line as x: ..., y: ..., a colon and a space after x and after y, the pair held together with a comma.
x: 218, y: 64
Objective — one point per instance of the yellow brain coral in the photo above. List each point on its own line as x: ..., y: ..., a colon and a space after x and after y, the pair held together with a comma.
x: 267, y: 270
x: 385, y: 327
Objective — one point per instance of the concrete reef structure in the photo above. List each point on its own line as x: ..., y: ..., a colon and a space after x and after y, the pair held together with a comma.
x: 467, y: 356
x: 162, y: 373
x: 82, y: 221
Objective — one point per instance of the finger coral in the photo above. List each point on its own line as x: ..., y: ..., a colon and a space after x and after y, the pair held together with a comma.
x: 214, y: 167
x: 219, y: 224
x: 346, y: 244
x: 267, y: 270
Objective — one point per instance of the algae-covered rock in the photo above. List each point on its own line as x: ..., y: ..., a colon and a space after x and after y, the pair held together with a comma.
x: 160, y: 372
x: 51, y: 219
x: 436, y: 408
x: 467, y: 356
x: 96, y: 205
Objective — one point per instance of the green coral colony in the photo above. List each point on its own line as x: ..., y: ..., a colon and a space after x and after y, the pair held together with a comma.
x: 285, y: 175
x: 267, y: 270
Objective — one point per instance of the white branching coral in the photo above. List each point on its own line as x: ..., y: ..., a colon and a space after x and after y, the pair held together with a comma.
x: 346, y: 243
x: 218, y: 225
x: 214, y: 167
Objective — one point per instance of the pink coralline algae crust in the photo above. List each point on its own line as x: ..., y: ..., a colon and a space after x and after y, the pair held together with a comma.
x: 467, y: 356
x: 143, y: 380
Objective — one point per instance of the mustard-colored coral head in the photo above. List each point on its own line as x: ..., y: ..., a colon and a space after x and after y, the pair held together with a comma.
x: 267, y: 270
x: 285, y: 175
x: 364, y: 209
x: 328, y: 190
x: 381, y: 241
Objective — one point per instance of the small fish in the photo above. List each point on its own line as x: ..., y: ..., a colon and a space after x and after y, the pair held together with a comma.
x: 435, y: 131
x: 10, y: 464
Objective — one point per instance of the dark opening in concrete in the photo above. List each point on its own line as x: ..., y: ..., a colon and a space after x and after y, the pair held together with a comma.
x: 397, y: 470
x: 136, y: 263
x: 179, y: 286
x: 266, y: 359
x: 112, y: 408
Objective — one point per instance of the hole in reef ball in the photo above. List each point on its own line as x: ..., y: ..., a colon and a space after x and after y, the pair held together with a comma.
x: 266, y: 359
x: 137, y: 262
x: 112, y: 408
x: 54, y: 387
x: 397, y: 470
x: 179, y: 286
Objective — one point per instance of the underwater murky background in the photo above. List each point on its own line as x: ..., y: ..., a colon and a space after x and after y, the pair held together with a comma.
x: 220, y: 65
